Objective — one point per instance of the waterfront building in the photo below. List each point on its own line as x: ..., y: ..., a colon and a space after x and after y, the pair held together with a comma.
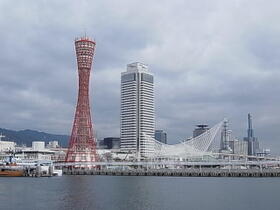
x: 161, y: 136
x: 200, y: 129
x: 53, y: 144
x: 264, y: 153
x: 137, y: 111
x: 36, y: 152
x: 253, y: 143
x: 38, y: 145
x: 6, y: 145
x: 239, y: 147
x: 29, y: 154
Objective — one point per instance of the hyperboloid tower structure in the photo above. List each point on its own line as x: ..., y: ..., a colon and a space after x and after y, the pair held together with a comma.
x: 82, y: 145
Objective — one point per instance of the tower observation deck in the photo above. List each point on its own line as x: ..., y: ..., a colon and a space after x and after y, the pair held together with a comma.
x: 82, y: 145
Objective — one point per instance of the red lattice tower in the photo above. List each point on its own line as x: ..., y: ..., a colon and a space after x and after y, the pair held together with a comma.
x: 82, y: 145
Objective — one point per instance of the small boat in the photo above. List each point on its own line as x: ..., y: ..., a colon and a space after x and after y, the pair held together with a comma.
x: 11, y: 172
x: 11, y: 169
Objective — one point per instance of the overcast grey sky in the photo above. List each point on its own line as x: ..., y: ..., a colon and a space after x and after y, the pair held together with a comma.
x: 211, y: 59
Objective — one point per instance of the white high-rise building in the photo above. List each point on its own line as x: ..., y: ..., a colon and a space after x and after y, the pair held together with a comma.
x: 137, y: 111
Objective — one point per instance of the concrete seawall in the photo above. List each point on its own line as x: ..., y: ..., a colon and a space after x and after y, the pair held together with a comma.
x: 178, y: 173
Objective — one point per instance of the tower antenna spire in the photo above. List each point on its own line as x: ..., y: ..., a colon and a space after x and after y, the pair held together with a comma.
x: 85, y: 30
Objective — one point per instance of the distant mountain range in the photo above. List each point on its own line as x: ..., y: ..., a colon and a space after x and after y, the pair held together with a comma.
x: 27, y: 136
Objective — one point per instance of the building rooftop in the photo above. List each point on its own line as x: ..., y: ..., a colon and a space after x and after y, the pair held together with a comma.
x: 84, y: 39
x: 137, y: 66
x: 202, y: 126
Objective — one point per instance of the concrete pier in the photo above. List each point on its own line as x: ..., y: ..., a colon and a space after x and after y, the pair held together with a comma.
x: 202, y: 172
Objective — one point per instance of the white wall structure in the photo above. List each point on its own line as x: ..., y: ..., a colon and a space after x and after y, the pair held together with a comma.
x: 53, y: 144
x: 7, y: 146
x: 239, y: 147
x: 35, y: 155
x: 204, y: 144
x: 137, y: 110
x: 38, y: 145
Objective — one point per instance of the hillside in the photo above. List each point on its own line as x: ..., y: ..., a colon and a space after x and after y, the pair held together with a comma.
x: 27, y: 136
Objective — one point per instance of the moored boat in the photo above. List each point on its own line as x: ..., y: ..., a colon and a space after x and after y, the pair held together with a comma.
x: 11, y: 171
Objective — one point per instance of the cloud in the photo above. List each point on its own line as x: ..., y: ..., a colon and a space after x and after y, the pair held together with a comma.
x: 210, y: 61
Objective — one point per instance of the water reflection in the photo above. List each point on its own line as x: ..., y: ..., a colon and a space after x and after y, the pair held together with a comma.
x: 96, y: 192
x: 113, y: 192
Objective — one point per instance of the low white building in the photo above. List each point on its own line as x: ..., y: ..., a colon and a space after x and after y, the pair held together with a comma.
x: 6, y: 145
x: 38, y: 145
x: 36, y: 152
x: 29, y: 154
x: 53, y: 144
x: 114, y: 155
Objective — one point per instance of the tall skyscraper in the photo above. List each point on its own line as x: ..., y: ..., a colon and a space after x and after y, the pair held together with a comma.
x: 137, y: 110
x: 253, y: 143
x: 82, y: 142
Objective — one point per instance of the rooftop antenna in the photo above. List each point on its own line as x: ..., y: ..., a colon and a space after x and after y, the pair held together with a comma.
x: 85, y: 32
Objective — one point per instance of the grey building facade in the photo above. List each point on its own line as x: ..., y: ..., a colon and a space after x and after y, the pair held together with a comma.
x: 253, y: 143
x: 112, y: 142
x: 239, y: 147
x: 200, y: 129
x: 161, y: 136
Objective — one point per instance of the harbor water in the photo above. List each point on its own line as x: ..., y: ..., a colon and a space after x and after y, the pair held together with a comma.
x: 133, y: 192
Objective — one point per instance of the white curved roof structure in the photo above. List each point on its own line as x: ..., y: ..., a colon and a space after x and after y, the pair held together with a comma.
x: 198, y: 146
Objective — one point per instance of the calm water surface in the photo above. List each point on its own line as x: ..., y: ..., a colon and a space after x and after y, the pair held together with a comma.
x: 112, y: 192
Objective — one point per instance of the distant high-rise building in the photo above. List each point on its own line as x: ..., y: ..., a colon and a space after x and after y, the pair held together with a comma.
x: 137, y: 110
x: 112, y: 142
x: 100, y: 144
x: 225, y: 137
x: 253, y: 143
x: 200, y: 129
x: 161, y: 136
